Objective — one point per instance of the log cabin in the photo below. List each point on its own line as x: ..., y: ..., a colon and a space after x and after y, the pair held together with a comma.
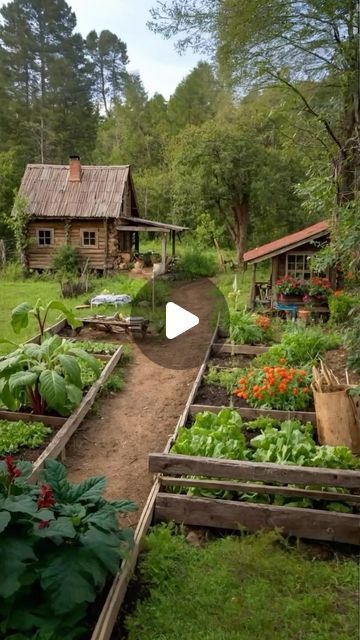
x: 290, y: 256
x: 92, y: 208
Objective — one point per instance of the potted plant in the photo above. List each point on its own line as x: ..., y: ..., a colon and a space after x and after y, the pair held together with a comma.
x: 318, y: 291
x: 289, y: 287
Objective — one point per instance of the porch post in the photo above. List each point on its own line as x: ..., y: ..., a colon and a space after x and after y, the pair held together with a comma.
x: 173, y: 237
x: 136, y: 242
x: 163, y: 251
x: 253, y: 286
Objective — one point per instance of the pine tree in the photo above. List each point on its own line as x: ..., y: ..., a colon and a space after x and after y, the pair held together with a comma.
x: 108, y: 55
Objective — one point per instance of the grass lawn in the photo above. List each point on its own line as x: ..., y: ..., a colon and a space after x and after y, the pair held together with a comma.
x: 243, y: 588
x: 13, y: 292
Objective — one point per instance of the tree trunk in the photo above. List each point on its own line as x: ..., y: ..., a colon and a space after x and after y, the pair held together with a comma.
x: 241, y: 211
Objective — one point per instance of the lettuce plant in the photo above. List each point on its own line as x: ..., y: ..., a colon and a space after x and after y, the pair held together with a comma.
x: 59, y: 544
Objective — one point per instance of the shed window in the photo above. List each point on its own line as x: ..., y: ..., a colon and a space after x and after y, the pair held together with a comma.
x: 298, y: 265
x: 89, y: 238
x: 45, y: 237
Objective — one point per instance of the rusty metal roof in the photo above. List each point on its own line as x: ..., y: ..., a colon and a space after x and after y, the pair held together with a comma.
x: 99, y: 194
x: 287, y: 242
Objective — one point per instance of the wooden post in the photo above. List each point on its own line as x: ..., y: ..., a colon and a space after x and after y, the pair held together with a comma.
x: 163, y: 251
x: 106, y: 244
x: 252, y: 290
x: 274, y: 277
x: 137, y: 244
x: 173, y: 237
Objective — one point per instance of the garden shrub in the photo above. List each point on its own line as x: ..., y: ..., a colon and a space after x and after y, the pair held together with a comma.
x: 340, y: 305
x: 59, y: 544
x: 300, y: 345
x: 196, y: 263
x: 66, y: 261
x: 353, y: 340
x: 283, y: 388
x: 249, y: 328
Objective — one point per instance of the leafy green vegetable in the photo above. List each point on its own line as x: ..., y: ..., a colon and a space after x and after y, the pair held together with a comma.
x: 226, y: 378
x: 14, y: 435
x: 91, y: 346
x: 213, y: 435
x: 299, y: 346
x: 244, y: 330
x: 59, y: 543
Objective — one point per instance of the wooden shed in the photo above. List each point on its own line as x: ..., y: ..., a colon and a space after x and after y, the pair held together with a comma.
x: 290, y: 256
x: 92, y: 208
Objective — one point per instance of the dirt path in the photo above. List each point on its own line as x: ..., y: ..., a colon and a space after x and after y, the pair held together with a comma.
x: 140, y: 419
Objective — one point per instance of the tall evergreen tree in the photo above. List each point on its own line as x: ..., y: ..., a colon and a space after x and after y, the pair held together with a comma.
x: 108, y: 55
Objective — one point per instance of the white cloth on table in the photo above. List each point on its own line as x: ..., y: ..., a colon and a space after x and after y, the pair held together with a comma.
x: 108, y: 298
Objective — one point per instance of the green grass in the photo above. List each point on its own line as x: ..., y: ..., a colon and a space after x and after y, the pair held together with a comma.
x: 242, y: 588
x: 13, y: 292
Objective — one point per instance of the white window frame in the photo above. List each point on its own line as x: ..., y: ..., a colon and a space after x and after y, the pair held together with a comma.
x: 85, y: 244
x: 306, y: 255
x: 42, y: 244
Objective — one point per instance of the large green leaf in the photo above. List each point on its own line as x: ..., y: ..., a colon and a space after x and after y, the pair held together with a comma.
x: 49, y: 345
x: 62, y: 527
x: 124, y: 505
x: 66, y: 581
x: 74, y: 396
x: 104, y: 546
x: 89, y: 490
x: 21, y: 504
x: 6, y: 396
x: 71, y: 369
x: 89, y: 359
x: 70, y: 317
x: 20, y: 316
x: 22, y: 379
x: 9, y: 364
x: 52, y: 388
x: 15, y: 553
x: 55, y: 475
x: 5, y: 518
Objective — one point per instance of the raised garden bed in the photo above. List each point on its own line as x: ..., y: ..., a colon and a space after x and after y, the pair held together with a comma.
x: 62, y: 428
x: 224, y: 475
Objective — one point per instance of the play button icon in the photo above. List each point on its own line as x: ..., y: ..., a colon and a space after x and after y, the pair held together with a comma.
x: 178, y: 320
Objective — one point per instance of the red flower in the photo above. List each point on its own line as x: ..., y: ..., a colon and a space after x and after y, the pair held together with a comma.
x: 12, y: 469
x: 46, y: 498
x: 43, y: 524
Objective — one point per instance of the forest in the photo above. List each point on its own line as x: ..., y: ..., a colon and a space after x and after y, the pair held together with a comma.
x: 260, y: 139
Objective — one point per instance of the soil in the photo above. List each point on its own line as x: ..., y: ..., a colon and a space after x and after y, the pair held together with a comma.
x: 140, y: 419
x: 226, y: 360
x: 213, y: 395
x: 336, y: 360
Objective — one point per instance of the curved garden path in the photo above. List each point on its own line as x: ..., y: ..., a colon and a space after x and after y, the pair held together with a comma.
x: 140, y: 419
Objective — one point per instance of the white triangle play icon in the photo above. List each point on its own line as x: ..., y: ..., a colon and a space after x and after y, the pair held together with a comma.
x: 178, y: 320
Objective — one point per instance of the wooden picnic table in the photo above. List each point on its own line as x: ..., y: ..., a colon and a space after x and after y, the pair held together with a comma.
x: 116, y: 324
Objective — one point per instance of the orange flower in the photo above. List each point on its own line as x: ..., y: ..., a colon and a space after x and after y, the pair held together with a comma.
x: 295, y: 391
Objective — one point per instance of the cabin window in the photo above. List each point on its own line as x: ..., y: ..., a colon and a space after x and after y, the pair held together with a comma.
x: 298, y: 265
x: 89, y: 238
x: 45, y: 237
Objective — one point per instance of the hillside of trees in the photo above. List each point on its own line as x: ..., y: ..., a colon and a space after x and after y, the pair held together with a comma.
x: 260, y: 139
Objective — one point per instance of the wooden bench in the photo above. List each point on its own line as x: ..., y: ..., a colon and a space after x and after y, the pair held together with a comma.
x: 115, y: 324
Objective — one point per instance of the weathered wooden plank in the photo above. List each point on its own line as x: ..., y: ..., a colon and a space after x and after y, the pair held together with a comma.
x: 168, y: 463
x: 249, y: 487
x: 252, y: 414
x: 110, y: 611
x: 14, y: 416
x: 64, y: 434
x: 227, y: 514
x: 238, y: 349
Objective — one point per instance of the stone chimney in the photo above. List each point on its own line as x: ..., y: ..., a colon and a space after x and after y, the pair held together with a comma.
x: 74, y: 169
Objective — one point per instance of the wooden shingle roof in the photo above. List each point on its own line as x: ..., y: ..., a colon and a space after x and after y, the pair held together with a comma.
x: 99, y: 194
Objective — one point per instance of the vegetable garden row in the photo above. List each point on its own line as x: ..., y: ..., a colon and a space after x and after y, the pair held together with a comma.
x: 245, y: 453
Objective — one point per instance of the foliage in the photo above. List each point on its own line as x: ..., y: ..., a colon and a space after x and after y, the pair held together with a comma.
x: 319, y: 288
x: 115, y: 382
x: 20, y: 315
x: 18, y: 222
x: 196, y: 263
x: 353, y: 340
x: 204, y: 585
x: 290, y: 286
x: 44, y: 376
x: 66, y: 261
x: 92, y: 346
x: 247, y: 328
x: 213, y: 435
x: 299, y: 346
x: 226, y: 378
x: 14, y: 435
x: 341, y: 304
x: 56, y: 539
x: 283, y: 388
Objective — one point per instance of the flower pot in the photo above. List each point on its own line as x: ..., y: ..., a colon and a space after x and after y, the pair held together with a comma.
x: 304, y: 315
